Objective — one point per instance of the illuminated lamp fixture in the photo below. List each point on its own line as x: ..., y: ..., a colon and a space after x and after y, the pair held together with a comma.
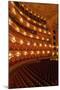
x: 44, y: 31
x: 49, y: 33
x: 30, y: 11
x: 28, y: 18
x: 22, y: 5
x: 38, y: 16
x: 57, y: 53
x: 10, y: 55
x: 35, y: 14
x: 53, y: 46
x: 27, y: 9
x: 40, y: 24
x: 41, y: 17
x: 47, y: 39
x: 24, y: 33
x: 21, y: 19
x: 38, y: 52
x: 21, y: 42
x: 50, y: 45
x: 57, y: 47
x: 53, y: 53
x: 32, y: 52
x: 39, y: 30
x: 14, y: 11
x: 18, y: 54
x: 34, y: 44
x: 44, y: 26
x: 43, y: 52
x: 42, y: 38
x: 31, y: 35
x: 34, y: 28
x: 12, y: 2
x: 28, y: 43
x: 27, y: 24
x: 37, y: 37
x: 13, y: 39
x: 10, y: 22
x: 17, y: 29
x: 40, y: 44
x: 48, y: 52
x: 34, y: 21
x: 21, y: 13
x: 45, y: 45
x: 25, y: 53
x: 45, y: 19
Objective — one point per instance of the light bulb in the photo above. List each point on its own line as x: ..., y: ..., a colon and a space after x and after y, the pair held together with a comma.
x: 25, y: 53
x: 43, y: 52
x: 18, y: 54
x: 34, y: 44
x: 21, y: 41
x: 13, y: 39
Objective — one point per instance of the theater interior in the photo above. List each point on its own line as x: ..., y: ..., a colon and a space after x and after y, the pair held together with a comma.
x: 33, y: 44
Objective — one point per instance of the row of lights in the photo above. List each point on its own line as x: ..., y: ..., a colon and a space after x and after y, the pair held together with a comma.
x: 17, y: 54
x: 24, y: 33
x: 21, y: 20
x: 35, y: 13
x: 13, y: 40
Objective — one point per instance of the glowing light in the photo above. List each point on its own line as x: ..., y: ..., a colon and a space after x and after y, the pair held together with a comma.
x: 17, y: 28
x: 13, y: 39
x: 45, y: 45
x: 38, y: 52
x: 53, y: 53
x: 27, y: 9
x: 44, y: 26
x: 48, y: 52
x: 49, y: 33
x: 45, y: 19
x: 38, y: 16
x: 57, y: 53
x: 44, y: 31
x: 40, y: 44
x: 42, y: 38
x: 34, y: 44
x: 50, y: 45
x: 31, y: 35
x: 28, y: 18
x: 10, y: 22
x: 43, y: 52
x: 24, y: 33
x: 41, y: 17
x: 27, y: 24
x: 47, y: 39
x: 57, y: 47
x: 21, y: 20
x: 40, y: 24
x: 21, y: 41
x: 32, y: 52
x: 12, y: 2
x: 39, y: 30
x: 37, y: 37
x: 14, y: 11
x: 34, y: 28
x: 34, y: 21
x: 28, y: 43
x: 25, y: 53
x: 21, y: 13
x: 22, y: 5
x: 10, y: 55
x: 18, y: 54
